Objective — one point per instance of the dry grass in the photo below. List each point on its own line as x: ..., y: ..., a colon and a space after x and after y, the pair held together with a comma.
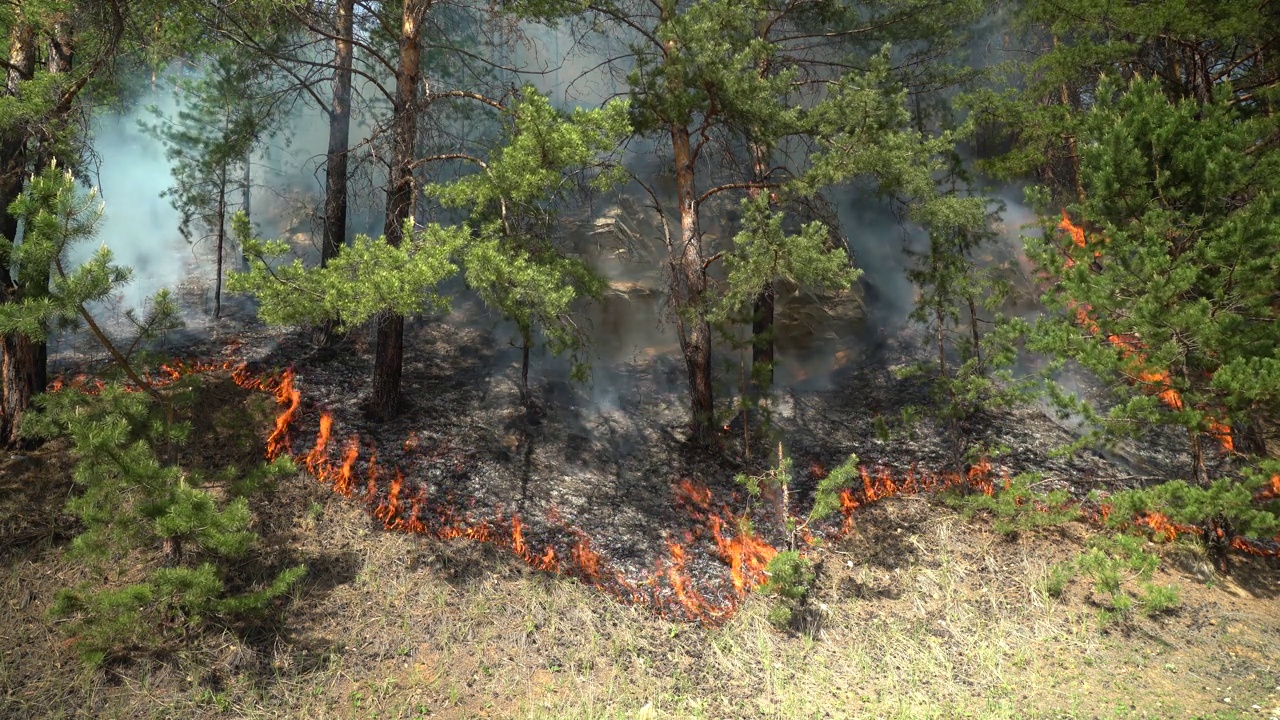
x: 919, y: 615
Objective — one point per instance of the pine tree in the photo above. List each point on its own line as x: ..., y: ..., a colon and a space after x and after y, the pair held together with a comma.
x: 1170, y: 290
x: 131, y: 499
x: 713, y: 73
x: 132, y: 502
x: 505, y: 249
x: 512, y: 260
x: 57, y: 216
x: 1192, y: 49
x: 791, y: 47
x: 58, y: 51
x: 221, y: 118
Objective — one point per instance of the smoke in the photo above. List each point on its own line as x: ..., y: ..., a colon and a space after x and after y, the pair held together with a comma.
x: 138, y: 225
x: 634, y: 347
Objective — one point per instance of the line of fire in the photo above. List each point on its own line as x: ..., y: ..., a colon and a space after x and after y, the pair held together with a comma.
x: 350, y: 466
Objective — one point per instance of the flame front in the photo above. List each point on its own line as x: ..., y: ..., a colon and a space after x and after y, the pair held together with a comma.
x: 406, y: 505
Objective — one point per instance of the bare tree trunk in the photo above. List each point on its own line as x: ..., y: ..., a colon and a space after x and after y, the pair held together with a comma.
x: 335, y: 198
x: 762, y: 310
x: 16, y: 361
x: 526, y: 342
x: 1198, y: 469
x: 690, y: 279
x: 1073, y: 152
x: 388, y: 359
x: 246, y: 200
x: 940, y: 319
x: 220, y: 235
x: 974, y: 331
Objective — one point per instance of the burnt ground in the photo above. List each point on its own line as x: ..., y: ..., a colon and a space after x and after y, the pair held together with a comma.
x: 606, y: 463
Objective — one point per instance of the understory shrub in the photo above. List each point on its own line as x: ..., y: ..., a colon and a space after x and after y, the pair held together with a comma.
x: 1120, y: 571
x: 1017, y: 507
x: 791, y: 574
x: 165, y: 541
x: 1246, y: 504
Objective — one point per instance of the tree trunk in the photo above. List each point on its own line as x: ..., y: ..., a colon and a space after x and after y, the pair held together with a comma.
x: 16, y: 362
x: 246, y: 200
x: 220, y: 236
x: 388, y: 359
x: 526, y: 342
x: 762, y: 310
x: 690, y: 280
x: 1073, y: 153
x: 974, y: 332
x: 335, y: 198
x: 23, y: 365
x: 1198, y: 469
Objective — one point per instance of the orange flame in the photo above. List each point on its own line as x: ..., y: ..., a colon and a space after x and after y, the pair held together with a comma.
x: 517, y: 538
x: 1130, y: 347
x: 691, y: 494
x: 1075, y: 231
x: 1270, y: 492
x: 316, y: 457
x: 746, y: 554
x: 586, y: 559
x: 287, y: 395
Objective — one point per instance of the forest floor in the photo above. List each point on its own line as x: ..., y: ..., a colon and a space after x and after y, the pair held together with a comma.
x: 919, y: 613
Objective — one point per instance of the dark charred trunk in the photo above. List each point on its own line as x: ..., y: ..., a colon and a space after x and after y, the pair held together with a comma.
x: 335, y: 198
x: 388, y: 366
x: 389, y: 355
x: 526, y: 342
x: 762, y: 343
x: 220, y: 234
x: 974, y: 332
x: 762, y: 310
x: 690, y: 280
x: 1198, y: 469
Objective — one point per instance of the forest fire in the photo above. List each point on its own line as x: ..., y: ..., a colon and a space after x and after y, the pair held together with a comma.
x: 978, y: 478
x: 669, y: 588
x: 674, y: 587
x: 1158, y: 382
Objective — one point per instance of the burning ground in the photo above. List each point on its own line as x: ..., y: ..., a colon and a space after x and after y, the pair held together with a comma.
x: 608, y: 494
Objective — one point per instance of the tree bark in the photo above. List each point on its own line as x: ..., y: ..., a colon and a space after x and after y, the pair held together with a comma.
x: 763, y: 309
x: 16, y: 360
x: 1073, y: 152
x: 526, y: 342
x: 335, y: 198
x: 246, y: 201
x: 388, y: 359
x: 24, y: 373
x: 220, y: 234
x: 690, y: 280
